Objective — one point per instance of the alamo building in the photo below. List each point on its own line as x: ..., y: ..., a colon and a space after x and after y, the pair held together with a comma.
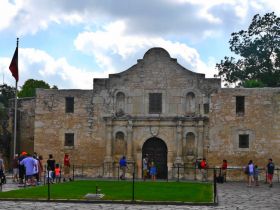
x: 156, y: 107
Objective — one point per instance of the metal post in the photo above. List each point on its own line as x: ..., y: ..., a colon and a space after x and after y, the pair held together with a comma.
x: 178, y: 173
x: 133, y: 178
x: 195, y: 170
x: 60, y: 175
x: 45, y: 174
x: 118, y: 173
x: 167, y: 175
x: 49, y: 191
x: 215, y: 185
x: 73, y: 172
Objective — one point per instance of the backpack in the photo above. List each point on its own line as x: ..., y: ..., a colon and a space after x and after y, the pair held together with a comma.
x: 202, y: 164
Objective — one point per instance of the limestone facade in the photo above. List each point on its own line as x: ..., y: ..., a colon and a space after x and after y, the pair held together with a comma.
x: 258, y: 123
x: 159, y: 108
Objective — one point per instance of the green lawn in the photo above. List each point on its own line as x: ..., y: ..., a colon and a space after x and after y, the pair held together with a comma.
x: 120, y: 190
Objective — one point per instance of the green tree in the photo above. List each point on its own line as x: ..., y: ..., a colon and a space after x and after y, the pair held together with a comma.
x: 29, y: 88
x: 258, y: 54
x: 6, y: 93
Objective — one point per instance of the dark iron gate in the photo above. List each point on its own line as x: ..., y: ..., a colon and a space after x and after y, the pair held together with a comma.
x: 156, y: 150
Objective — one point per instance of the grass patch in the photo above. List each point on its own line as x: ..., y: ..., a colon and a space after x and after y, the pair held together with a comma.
x: 120, y: 190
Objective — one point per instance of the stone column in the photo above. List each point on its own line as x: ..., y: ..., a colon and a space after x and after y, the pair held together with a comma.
x: 200, y: 139
x: 179, y: 142
x: 108, y: 161
x: 129, y: 140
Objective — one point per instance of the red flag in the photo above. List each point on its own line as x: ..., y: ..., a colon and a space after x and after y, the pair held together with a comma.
x: 14, y: 65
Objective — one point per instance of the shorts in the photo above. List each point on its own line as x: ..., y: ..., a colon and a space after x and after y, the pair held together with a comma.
x: 145, y: 172
x: 15, y: 171
x: 251, y: 174
x: 269, y: 176
x: 29, y: 176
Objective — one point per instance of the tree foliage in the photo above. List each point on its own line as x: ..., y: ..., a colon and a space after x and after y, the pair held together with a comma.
x: 6, y: 93
x: 258, y: 50
x: 29, y: 88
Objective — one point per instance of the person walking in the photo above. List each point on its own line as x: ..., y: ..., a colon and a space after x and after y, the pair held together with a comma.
x: 145, y: 167
x: 256, y: 175
x: 250, y: 173
x: 153, y: 171
x: 41, y: 169
x: 123, y: 165
x: 2, y: 171
x: 21, y: 168
x: 224, y: 170
x: 66, y: 174
x: 51, y: 166
x: 270, y: 171
x: 29, y: 163
x: 203, y: 169
x: 15, y: 165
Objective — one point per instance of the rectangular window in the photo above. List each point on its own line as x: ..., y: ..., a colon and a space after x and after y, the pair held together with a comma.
x: 240, y: 105
x: 244, y: 141
x: 206, y: 108
x: 155, y: 103
x: 69, y: 104
x: 69, y: 140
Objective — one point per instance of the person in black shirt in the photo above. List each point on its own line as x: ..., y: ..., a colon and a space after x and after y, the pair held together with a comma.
x: 270, y: 171
x: 51, y: 165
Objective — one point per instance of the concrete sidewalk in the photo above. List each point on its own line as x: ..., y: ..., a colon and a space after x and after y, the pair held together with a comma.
x: 232, y: 195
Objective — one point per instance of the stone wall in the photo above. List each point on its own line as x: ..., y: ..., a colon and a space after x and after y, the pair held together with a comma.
x: 52, y: 122
x: 260, y: 121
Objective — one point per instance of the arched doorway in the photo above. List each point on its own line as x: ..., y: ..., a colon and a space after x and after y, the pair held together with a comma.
x: 156, y: 150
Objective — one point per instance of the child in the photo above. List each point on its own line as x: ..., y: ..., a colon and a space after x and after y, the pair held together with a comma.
x: 256, y: 175
x: 153, y: 171
x: 57, y: 172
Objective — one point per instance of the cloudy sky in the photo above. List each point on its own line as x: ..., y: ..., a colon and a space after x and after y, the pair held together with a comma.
x: 68, y: 42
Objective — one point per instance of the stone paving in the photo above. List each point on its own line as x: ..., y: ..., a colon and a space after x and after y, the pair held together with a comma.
x: 233, y: 195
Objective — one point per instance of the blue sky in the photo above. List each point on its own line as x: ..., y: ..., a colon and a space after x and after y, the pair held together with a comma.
x: 67, y: 43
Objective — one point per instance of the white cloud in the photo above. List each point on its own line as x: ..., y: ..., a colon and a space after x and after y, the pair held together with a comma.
x: 7, y: 11
x: 111, y: 44
x: 182, y: 17
x: 37, y: 64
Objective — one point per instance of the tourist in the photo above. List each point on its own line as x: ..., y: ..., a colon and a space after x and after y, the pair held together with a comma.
x: 224, y: 170
x: 203, y: 169
x: 36, y: 168
x: 2, y: 170
x: 29, y: 163
x: 57, y: 173
x: 41, y: 169
x: 270, y: 171
x: 123, y: 165
x: 15, y: 165
x: 153, y: 171
x: 256, y: 175
x: 250, y: 173
x: 21, y: 167
x: 145, y: 167
x: 66, y: 167
x: 51, y: 166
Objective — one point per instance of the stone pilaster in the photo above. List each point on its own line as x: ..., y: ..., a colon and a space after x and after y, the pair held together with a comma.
x: 108, y: 161
x: 200, y: 140
x: 179, y: 142
x: 129, y: 140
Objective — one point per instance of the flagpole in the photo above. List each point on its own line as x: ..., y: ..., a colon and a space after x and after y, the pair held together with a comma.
x: 15, y: 119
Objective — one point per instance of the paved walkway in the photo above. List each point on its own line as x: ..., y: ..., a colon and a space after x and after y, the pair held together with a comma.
x: 231, y: 195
